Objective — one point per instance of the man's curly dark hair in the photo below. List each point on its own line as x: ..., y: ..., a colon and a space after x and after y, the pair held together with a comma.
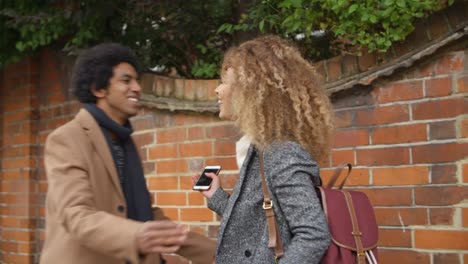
x: 94, y: 67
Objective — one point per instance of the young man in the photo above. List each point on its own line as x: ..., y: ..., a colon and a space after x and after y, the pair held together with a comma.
x: 98, y: 208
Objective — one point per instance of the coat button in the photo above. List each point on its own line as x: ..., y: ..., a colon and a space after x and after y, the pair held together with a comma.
x: 248, y: 253
x: 121, y: 208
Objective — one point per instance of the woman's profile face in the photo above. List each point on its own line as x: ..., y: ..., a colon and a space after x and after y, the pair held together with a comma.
x: 224, y: 94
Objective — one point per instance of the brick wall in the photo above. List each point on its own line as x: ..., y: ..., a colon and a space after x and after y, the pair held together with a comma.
x: 406, y: 134
x: 409, y: 143
x: 18, y: 189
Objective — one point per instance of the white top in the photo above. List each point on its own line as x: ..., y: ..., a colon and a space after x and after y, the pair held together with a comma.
x: 242, y: 145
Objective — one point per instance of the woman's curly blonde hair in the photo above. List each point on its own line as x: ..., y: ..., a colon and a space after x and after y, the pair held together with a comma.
x: 277, y: 96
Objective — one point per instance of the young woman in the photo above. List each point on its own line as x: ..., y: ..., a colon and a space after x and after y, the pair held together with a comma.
x: 274, y: 97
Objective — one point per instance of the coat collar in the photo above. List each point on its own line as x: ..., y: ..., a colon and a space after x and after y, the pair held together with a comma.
x: 94, y: 132
x: 251, y: 152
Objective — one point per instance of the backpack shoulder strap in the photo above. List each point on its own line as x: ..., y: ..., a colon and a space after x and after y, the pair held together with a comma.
x: 337, y: 174
x: 274, y: 239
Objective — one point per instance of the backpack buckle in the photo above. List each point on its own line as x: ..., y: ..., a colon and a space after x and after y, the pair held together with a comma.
x: 267, y: 205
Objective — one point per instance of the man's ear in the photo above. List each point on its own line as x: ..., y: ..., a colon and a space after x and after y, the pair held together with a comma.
x: 99, y: 93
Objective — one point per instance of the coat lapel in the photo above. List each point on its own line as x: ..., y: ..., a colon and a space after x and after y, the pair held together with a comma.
x: 99, y: 142
x: 236, y: 192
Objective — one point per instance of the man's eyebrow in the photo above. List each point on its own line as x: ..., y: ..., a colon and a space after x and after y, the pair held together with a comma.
x: 127, y: 75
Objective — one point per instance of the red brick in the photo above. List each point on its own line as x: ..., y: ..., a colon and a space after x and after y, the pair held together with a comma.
x: 28, y: 247
x: 57, y: 98
x: 143, y: 122
x: 465, y: 172
x: 394, y: 238
x: 196, y: 214
x: 228, y: 181
x: 444, y: 258
x: 9, y: 246
x: 389, y: 196
x: 436, y: 153
x: 222, y: 131
x: 351, y: 138
x: 228, y: 163
x: 211, y: 86
x: 448, y: 64
x: 440, y: 239
x: 446, y: 173
x: 163, y: 152
x: 13, y: 258
x: 382, y: 115
x: 172, y: 213
x: 171, y: 166
x: 358, y: 177
x: 441, y: 108
x: 399, y: 134
x: 349, y: 64
x: 383, y: 156
x: 18, y: 151
x: 441, y: 216
x: 197, y: 149
x: 440, y: 195
x: 465, y: 217
x: 189, y: 89
x: 367, y: 60
x: 462, y: 84
x: 333, y: 68
x: 442, y: 130
x: 202, y: 90
x: 142, y: 140
x: 196, y: 199
x: 195, y: 133
x: 400, y: 91
x: 401, y: 175
x: 340, y: 156
x: 225, y: 148
x: 171, y: 135
x: 343, y: 119
x: 186, y: 183
x: 192, y: 119
x: 438, y: 87
x: 171, y: 198
x: 389, y: 256
x: 163, y: 183
x: 463, y: 125
x: 401, y: 216
x: 17, y: 116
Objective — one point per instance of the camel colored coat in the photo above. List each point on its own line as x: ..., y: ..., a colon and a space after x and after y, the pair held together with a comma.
x: 85, y: 207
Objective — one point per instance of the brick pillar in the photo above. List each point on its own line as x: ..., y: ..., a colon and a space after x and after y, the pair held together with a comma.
x: 18, y: 185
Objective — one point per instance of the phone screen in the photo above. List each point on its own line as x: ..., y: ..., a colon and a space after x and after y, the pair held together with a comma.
x: 204, y: 182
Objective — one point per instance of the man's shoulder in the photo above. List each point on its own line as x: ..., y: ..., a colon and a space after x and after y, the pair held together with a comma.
x: 72, y: 129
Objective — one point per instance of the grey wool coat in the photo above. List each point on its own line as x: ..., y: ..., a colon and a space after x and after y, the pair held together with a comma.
x: 243, y: 235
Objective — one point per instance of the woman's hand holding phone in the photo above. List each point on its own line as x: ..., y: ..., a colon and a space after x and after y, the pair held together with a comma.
x: 215, y: 183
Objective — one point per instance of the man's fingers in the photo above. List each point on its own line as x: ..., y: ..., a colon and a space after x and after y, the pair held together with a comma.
x: 162, y: 249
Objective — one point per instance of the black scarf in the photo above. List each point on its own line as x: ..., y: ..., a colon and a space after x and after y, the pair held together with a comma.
x: 135, y: 190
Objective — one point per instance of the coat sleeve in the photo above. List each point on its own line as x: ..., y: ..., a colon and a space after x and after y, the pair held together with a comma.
x: 218, y: 201
x: 290, y: 169
x: 197, y: 248
x: 72, y: 200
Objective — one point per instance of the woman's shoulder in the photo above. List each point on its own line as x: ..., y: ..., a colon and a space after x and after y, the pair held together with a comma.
x: 288, y: 151
x: 286, y: 148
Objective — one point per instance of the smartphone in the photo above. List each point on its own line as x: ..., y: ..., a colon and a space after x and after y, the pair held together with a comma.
x: 204, y: 182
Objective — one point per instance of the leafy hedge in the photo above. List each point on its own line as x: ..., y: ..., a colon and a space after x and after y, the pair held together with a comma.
x: 187, y: 37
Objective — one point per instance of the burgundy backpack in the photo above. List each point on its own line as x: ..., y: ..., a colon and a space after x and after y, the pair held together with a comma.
x: 350, y: 217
